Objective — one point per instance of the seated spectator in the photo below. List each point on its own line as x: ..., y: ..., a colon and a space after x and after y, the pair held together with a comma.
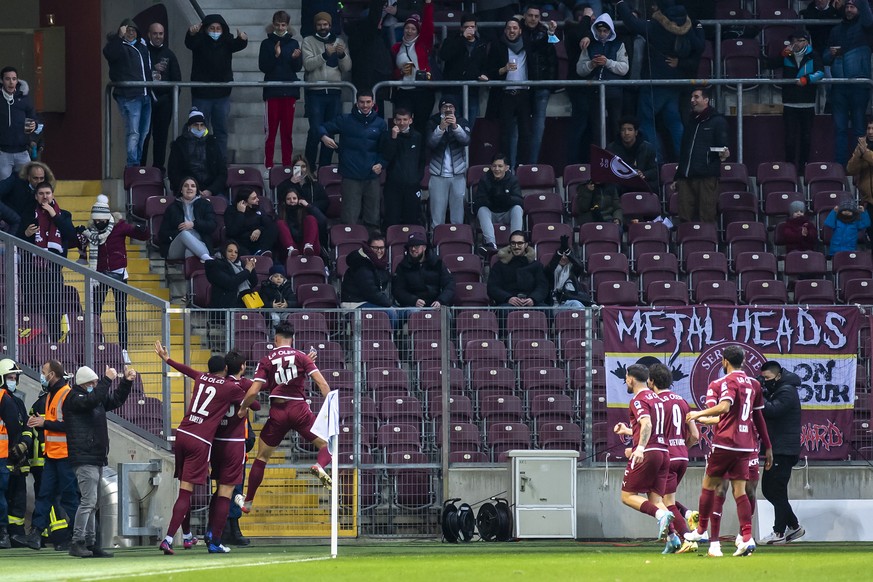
x: 798, y: 232
x: 421, y: 280
x: 298, y: 229
x: 847, y: 220
x: 412, y: 63
x: 17, y: 202
x: 188, y: 226
x: 597, y: 203
x: 245, y: 221
x: 564, y: 272
x: 860, y: 167
x: 277, y: 293
x: 517, y: 278
x: 497, y: 200
x: 196, y: 153
x: 636, y: 151
x: 230, y: 278
x: 365, y: 284
x: 310, y: 193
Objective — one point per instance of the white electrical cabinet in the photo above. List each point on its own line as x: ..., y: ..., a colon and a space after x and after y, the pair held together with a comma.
x: 544, y: 493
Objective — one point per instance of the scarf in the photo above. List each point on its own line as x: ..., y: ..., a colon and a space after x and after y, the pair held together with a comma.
x: 407, y: 54
x: 515, y: 46
x: 48, y: 236
x: 562, y: 275
x: 237, y: 269
x: 95, y: 240
x: 380, y: 264
x: 331, y: 60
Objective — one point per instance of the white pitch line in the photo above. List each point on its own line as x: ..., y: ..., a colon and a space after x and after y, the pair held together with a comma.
x: 215, y: 566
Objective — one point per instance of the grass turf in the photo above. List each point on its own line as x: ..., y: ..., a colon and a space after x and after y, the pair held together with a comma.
x: 428, y: 560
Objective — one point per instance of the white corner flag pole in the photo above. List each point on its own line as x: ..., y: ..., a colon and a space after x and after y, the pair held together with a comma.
x: 326, y: 426
x: 334, y: 496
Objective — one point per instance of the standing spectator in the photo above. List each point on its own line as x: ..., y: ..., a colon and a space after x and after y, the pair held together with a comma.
x: 704, y: 147
x: 230, y: 278
x: 17, y: 195
x: 188, y: 226
x: 671, y: 37
x: 798, y: 232
x: 197, y: 153
x: 846, y: 221
x: 517, y: 278
x: 310, y: 193
x: 421, y: 279
x: 298, y: 227
x: 277, y: 293
x: 309, y: 12
x: 497, y: 199
x: 448, y: 137
x: 104, y: 242
x: 636, y: 151
x: 820, y: 10
x: 542, y: 65
x: 17, y: 124
x: 360, y: 163
x: 605, y: 59
x: 129, y: 60
x: 508, y: 61
x: 165, y: 68
x: 370, y: 52
x: 463, y: 55
x: 802, y: 63
x: 577, y: 37
x: 848, y: 55
x: 88, y: 439
x: 564, y: 273
x: 412, y: 63
x: 245, y: 221
x: 403, y: 151
x: 782, y: 415
x: 495, y: 11
x: 11, y: 452
x: 279, y: 59
x: 860, y: 167
x: 324, y: 59
x: 365, y: 284
x: 597, y: 203
x: 212, y: 47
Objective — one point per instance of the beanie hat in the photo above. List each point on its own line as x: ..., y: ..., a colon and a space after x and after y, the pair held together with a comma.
x: 450, y: 99
x: 323, y: 16
x: 414, y: 20
x: 278, y: 269
x: 100, y: 210
x: 415, y: 240
x: 196, y: 116
x: 129, y: 23
x: 796, y: 206
x: 852, y: 3
x: 85, y: 375
x: 847, y: 203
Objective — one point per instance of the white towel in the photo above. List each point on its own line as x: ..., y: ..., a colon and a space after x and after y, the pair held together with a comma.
x: 326, y: 423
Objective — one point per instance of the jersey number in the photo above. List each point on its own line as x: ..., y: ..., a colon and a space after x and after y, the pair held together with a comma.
x: 286, y: 373
x: 210, y: 394
x: 747, y: 405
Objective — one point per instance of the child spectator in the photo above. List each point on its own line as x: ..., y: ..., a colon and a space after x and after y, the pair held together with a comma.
x: 798, y: 232
x: 597, y: 203
x: 846, y: 220
x: 277, y: 293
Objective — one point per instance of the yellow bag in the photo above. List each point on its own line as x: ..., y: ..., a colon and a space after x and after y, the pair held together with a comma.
x: 252, y: 300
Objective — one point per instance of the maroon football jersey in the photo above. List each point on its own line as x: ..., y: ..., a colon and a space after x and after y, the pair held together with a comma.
x: 736, y: 428
x: 284, y: 372
x: 676, y: 431
x: 647, y: 403
x: 211, y: 397
x: 232, y: 426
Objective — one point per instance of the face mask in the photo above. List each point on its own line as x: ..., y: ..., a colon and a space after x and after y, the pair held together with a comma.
x: 101, y: 225
x: 214, y: 35
x: 130, y: 42
x: 89, y: 389
x: 11, y: 384
x: 198, y: 132
x: 280, y: 34
x: 43, y: 381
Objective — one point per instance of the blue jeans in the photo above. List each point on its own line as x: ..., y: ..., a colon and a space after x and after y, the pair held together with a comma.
x: 58, y: 479
x: 849, y: 105
x: 538, y: 122
x: 320, y: 107
x: 137, y: 114
x: 216, y: 112
x: 663, y: 101
x: 4, y: 485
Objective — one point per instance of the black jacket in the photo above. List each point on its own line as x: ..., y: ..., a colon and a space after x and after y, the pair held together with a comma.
x: 364, y: 282
x: 704, y: 131
x: 271, y: 292
x: 204, y: 223
x: 404, y: 157
x: 199, y: 158
x: 309, y: 190
x: 369, y: 51
x: 281, y: 68
x: 428, y: 280
x: 497, y: 195
x: 212, y: 60
x: 542, y: 60
x: 669, y: 33
x: 128, y: 63
x: 85, y: 416
x: 239, y: 226
x: 511, y: 276
x: 640, y: 156
x: 12, y: 116
x: 225, y: 283
x: 171, y: 72
x: 463, y: 61
x: 11, y: 417
x: 782, y: 414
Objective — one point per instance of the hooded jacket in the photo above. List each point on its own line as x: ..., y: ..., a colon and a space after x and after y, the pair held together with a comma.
x: 12, y: 116
x: 511, y: 276
x: 853, y: 60
x: 782, y: 413
x: 212, y: 60
x: 359, y: 142
x: 271, y: 292
x: 845, y: 234
x: 617, y: 64
x: 454, y: 140
x: 128, y: 63
x: 810, y: 71
x: 85, y: 418
x: 172, y: 72
x: 705, y: 130
x: 497, y: 195
x: 200, y: 158
x: 428, y: 280
x: 364, y: 282
x: 281, y: 68
x: 204, y: 223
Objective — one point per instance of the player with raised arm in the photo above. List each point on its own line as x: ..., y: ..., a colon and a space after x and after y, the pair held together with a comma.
x: 649, y: 461
x: 284, y: 372
x: 680, y: 434
x: 740, y: 408
x: 212, y: 396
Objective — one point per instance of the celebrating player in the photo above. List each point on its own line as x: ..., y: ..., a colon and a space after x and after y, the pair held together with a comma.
x: 740, y: 407
x: 284, y: 372
x: 211, y: 398
x: 649, y: 461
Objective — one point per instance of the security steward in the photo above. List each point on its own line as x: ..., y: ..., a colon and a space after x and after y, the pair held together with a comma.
x: 19, y: 461
x: 10, y: 430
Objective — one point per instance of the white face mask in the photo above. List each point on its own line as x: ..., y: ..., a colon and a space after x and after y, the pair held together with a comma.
x: 43, y: 381
x: 198, y: 132
x: 277, y: 33
x: 11, y: 385
x: 214, y: 35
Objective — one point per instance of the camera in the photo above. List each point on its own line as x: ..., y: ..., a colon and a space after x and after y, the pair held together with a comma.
x: 422, y: 75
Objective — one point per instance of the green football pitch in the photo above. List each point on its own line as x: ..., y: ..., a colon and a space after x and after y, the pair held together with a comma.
x: 408, y: 561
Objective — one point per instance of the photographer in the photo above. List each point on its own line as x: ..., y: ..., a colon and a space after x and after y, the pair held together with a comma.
x: 565, y: 273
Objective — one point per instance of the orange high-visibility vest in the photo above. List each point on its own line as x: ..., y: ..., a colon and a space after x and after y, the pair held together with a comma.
x: 56, y: 442
x: 4, y: 436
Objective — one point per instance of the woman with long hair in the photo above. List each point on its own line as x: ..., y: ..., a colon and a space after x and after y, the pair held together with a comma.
x: 298, y: 229
x: 189, y: 224
x: 310, y: 193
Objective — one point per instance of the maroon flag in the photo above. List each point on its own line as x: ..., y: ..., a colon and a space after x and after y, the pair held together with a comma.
x: 608, y: 168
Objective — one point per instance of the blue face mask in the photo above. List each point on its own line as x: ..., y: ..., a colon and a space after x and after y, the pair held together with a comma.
x: 198, y: 132
x: 11, y: 385
x: 89, y: 389
x: 214, y: 35
x: 43, y: 381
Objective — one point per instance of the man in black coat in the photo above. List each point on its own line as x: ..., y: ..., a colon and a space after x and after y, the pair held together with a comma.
x: 463, y: 55
x: 497, y: 200
x: 782, y: 414
x: 421, y: 279
x: 88, y: 443
x: 402, y: 147
x: 197, y: 153
x: 365, y: 284
x: 165, y: 68
x: 517, y: 278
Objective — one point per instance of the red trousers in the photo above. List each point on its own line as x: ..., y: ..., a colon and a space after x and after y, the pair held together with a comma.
x: 280, y: 118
